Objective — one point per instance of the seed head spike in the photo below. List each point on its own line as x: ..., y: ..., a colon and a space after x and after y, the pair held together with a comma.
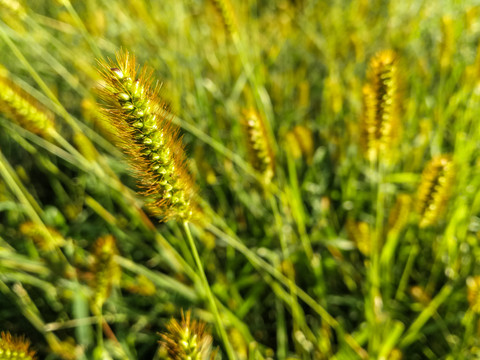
x: 149, y: 138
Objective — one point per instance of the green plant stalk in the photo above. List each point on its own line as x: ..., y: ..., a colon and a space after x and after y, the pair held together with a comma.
x: 25, y: 304
x: 289, y: 271
x: 406, y: 272
x: 261, y: 96
x: 282, y: 342
x: 80, y: 162
x: 29, y: 205
x: 285, y: 296
x: 63, y: 112
x: 469, y: 322
x: 59, y: 108
x: 390, y: 340
x: 160, y: 280
x: 425, y: 315
x: 261, y: 264
x: 217, y: 146
x: 39, y: 81
x: 297, y: 312
x: 86, y: 166
x: 82, y: 27
x: 55, y: 64
x: 299, y: 216
x: 99, y: 333
x: 206, y: 286
x: 374, y: 304
x: 16, y: 130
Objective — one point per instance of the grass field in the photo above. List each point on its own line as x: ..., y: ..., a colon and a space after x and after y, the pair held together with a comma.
x: 294, y: 179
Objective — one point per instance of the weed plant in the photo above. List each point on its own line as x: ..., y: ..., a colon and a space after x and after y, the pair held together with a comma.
x: 299, y: 179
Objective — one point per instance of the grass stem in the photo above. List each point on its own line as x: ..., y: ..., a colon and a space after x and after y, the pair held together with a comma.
x: 208, y: 291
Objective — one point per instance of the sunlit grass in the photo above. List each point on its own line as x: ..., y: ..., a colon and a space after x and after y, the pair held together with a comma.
x: 317, y: 232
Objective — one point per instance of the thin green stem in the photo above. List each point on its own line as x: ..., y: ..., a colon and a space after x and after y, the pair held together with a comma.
x: 100, y: 331
x: 413, y: 331
x: 288, y: 266
x: 298, y: 212
x: 211, y: 299
x: 82, y: 27
x: 30, y: 206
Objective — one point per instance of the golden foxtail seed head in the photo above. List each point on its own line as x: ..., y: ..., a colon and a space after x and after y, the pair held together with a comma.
x: 434, y: 189
x: 107, y: 271
x: 299, y: 142
x: 361, y: 234
x: 225, y: 10
x: 15, y: 348
x: 473, y: 294
x: 400, y: 212
x: 380, y: 119
x: 259, y: 147
x: 21, y: 108
x: 149, y: 138
x: 187, y: 340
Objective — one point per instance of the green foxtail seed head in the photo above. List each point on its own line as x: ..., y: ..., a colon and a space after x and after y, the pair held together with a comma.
x: 106, y: 271
x: 226, y: 12
x: 258, y: 144
x: 399, y: 214
x: 15, y: 348
x: 187, y: 340
x: 147, y: 135
x: 23, y: 109
x: 434, y: 189
x: 473, y: 293
x: 380, y: 119
x: 448, y: 43
x: 361, y: 234
x: 299, y: 142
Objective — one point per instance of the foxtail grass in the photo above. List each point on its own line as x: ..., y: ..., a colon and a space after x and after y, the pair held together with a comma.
x: 398, y: 217
x: 105, y: 269
x: 155, y: 150
x: 225, y: 10
x: 187, y: 339
x: 258, y: 145
x: 22, y: 109
x: 146, y: 133
x: 15, y: 348
x: 361, y: 233
x: 380, y: 120
x: 434, y: 190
